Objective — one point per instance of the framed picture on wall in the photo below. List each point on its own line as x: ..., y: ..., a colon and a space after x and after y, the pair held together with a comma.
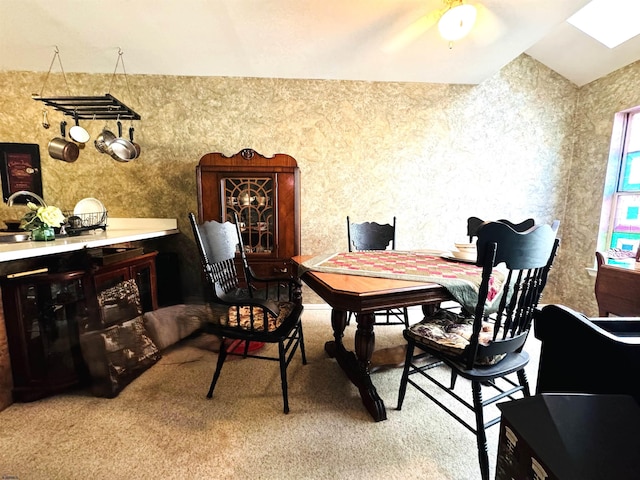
x: 20, y: 169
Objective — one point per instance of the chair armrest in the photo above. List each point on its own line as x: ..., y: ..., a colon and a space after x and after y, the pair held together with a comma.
x: 293, y: 285
x: 275, y: 278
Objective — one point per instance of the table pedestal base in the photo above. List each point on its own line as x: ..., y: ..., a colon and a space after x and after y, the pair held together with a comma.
x: 356, y: 365
x: 360, y: 378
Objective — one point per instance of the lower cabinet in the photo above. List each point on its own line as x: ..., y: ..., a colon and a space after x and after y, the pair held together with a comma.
x: 45, y: 313
x: 42, y: 313
x: 141, y: 268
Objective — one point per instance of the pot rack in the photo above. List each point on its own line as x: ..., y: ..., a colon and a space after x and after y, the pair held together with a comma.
x: 107, y: 107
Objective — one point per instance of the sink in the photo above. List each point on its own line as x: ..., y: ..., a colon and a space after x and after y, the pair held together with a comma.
x: 14, y: 237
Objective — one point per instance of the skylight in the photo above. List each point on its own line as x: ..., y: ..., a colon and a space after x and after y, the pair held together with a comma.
x: 611, y: 22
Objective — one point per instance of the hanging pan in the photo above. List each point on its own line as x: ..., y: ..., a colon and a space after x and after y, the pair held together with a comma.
x: 104, y: 139
x: 79, y: 134
x: 61, y: 149
x: 135, y: 145
x: 122, y: 149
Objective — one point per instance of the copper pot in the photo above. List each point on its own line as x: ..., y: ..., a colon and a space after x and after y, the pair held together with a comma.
x: 61, y: 149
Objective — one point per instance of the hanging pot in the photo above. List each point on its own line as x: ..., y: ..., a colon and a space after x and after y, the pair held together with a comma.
x: 61, y: 149
x: 135, y: 145
x: 121, y: 149
x: 79, y: 134
x: 103, y: 140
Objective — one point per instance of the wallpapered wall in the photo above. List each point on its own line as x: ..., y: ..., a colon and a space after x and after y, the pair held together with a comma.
x: 431, y: 155
x: 597, y: 104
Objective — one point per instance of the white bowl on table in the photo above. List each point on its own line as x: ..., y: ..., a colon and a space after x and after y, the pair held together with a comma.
x: 470, y: 255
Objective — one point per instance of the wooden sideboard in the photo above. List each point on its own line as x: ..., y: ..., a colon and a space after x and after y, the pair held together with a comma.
x: 617, y: 288
x: 44, y: 314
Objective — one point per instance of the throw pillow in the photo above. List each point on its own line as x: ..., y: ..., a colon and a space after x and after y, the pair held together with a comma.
x: 120, y: 302
x: 117, y: 355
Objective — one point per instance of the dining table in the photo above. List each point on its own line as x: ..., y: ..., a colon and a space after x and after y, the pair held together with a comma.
x: 366, y: 281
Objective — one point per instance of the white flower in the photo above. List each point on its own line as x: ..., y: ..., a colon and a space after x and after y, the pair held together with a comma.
x: 51, y: 216
x: 42, y: 216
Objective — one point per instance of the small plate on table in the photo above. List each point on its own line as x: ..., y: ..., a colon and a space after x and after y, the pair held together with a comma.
x: 449, y: 256
x: 91, y: 211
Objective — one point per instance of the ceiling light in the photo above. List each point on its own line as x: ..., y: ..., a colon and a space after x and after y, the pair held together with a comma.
x: 457, y: 21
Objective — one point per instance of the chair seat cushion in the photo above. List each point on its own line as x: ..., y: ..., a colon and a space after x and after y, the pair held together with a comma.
x: 449, y: 332
x: 242, y: 317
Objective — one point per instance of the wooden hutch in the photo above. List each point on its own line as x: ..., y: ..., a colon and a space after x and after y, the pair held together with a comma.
x: 264, y: 192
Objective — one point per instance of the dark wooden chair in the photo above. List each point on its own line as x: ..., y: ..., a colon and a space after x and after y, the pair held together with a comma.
x: 486, y: 347
x: 617, y: 289
x: 376, y: 236
x: 473, y: 223
x: 268, y: 310
x: 587, y: 355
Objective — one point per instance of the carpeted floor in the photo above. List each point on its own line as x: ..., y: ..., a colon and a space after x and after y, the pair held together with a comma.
x: 163, y: 427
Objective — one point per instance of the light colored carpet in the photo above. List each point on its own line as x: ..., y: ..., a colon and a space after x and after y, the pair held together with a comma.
x: 163, y: 427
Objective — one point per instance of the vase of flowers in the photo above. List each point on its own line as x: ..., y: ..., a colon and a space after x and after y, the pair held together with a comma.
x: 41, y: 221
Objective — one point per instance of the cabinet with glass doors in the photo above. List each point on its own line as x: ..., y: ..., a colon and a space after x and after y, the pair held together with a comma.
x: 264, y: 194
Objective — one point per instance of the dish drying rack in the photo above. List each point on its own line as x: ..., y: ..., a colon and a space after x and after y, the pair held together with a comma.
x: 78, y: 223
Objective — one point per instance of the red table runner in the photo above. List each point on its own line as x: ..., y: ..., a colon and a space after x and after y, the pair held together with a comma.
x: 462, y: 280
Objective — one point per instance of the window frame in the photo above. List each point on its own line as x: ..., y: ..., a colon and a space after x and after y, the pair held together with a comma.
x: 615, y: 184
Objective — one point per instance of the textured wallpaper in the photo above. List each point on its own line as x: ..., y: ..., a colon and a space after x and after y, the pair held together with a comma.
x: 597, y: 104
x: 525, y: 143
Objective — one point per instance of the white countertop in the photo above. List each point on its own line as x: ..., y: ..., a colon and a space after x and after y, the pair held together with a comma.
x: 118, y: 230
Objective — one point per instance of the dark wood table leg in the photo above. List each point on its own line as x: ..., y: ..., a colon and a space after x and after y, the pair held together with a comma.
x: 356, y: 366
x: 430, y: 308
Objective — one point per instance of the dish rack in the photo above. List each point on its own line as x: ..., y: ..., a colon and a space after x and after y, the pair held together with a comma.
x: 84, y: 222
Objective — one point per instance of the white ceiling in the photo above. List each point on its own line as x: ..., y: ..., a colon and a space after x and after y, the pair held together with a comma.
x: 385, y: 40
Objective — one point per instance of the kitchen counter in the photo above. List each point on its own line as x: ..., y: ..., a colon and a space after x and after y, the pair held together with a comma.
x: 119, y: 230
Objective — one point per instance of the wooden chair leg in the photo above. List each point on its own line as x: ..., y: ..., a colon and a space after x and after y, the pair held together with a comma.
x: 522, y: 378
x: 222, y: 355
x: 454, y: 377
x: 405, y: 374
x: 481, y: 436
x: 301, y: 344
x: 283, y: 376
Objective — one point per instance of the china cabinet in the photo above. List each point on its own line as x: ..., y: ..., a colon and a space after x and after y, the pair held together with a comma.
x: 42, y: 314
x: 264, y: 193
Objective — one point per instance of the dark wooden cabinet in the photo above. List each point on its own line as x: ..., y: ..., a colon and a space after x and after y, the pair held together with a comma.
x: 264, y: 192
x: 42, y: 314
x: 45, y: 314
x: 141, y: 268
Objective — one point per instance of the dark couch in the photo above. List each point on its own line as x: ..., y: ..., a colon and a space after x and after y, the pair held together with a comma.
x: 587, y: 355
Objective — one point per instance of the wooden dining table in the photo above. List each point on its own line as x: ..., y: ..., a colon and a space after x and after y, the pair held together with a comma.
x: 363, y: 295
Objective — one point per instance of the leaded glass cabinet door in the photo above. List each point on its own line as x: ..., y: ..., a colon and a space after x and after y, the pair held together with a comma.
x: 265, y: 194
x: 252, y: 200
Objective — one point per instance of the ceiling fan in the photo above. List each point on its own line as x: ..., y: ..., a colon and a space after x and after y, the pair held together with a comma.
x: 455, y: 19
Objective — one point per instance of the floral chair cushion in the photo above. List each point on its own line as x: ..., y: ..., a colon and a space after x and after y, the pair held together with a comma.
x: 244, y: 317
x: 449, y: 332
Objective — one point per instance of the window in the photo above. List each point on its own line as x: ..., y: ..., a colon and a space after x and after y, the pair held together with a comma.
x: 624, y: 221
